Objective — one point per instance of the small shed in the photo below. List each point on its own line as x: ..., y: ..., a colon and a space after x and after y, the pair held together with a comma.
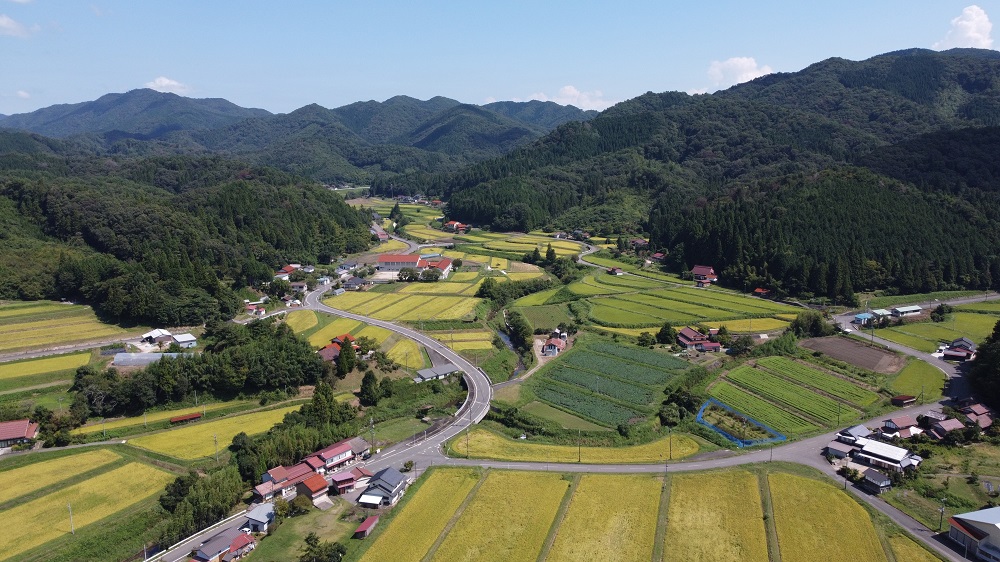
x: 901, y: 311
x: 366, y: 527
x: 876, y: 482
x: 838, y: 450
x: 903, y: 400
x: 863, y: 319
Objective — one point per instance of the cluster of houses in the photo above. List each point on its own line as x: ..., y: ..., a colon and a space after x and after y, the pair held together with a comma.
x: 693, y: 340
x: 860, y: 445
x: 419, y: 199
x: 879, y: 314
x: 17, y: 432
x: 420, y: 263
x: 555, y: 343
x: 164, y: 337
x: 962, y: 349
x: 333, y: 468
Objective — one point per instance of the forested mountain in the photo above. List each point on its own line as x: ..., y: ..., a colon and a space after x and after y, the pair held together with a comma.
x: 143, y: 113
x: 845, y: 175
x: 161, y: 240
x: 545, y: 114
x: 381, y: 122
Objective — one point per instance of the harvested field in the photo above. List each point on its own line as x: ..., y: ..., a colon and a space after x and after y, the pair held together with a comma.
x: 856, y: 353
x: 516, y: 532
x: 598, y: 519
x: 423, y: 517
x: 715, y: 516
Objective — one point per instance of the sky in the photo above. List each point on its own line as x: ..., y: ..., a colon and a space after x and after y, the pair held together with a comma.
x: 280, y: 56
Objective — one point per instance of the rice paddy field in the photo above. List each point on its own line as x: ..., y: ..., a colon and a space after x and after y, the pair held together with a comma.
x: 46, y: 518
x: 516, y: 532
x: 407, y: 353
x: 423, y: 517
x: 598, y: 519
x: 716, y: 516
x: 813, y: 517
x: 27, y: 325
x: 390, y: 247
x: 730, y: 515
x: 464, y: 340
x: 153, y: 417
x: 301, y: 320
x: 485, y: 444
x: 336, y: 327
x: 47, y: 370
x: 927, y: 336
x: 196, y: 441
x: 442, y: 304
x: 31, y: 478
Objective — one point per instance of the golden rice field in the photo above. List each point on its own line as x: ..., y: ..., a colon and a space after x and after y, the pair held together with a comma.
x: 439, y: 308
x: 352, y: 299
x: 610, y: 517
x: 407, y: 353
x: 460, y: 308
x: 47, y: 518
x: 464, y: 276
x: 463, y: 335
x: 374, y: 332
x: 522, y: 276
x: 151, y: 417
x: 427, y: 233
x: 499, y: 263
x: 814, y: 517
x: 338, y: 327
x: 301, y: 320
x: 537, y: 299
x: 41, y: 325
x: 468, y: 345
x: 44, y: 365
x: 908, y: 551
x: 749, y: 324
x: 390, y: 247
x: 439, y: 288
x: 635, y: 332
x: 381, y: 302
x: 484, y: 444
x: 40, y: 475
x: 716, y: 516
x: 195, y: 441
x: 424, y: 517
x: 515, y: 532
x: 397, y: 308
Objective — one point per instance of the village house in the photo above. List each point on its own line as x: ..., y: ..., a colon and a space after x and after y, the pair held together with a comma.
x: 941, y: 428
x: 876, y: 482
x: 761, y: 292
x: 455, y: 226
x: 231, y: 544
x: 978, y: 533
x: 398, y: 262
x: 355, y: 283
x: 977, y: 414
x: 692, y: 339
x: 704, y: 275
x: 432, y: 373
x: 616, y: 271
x: 901, y: 311
x: 17, y: 432
x: 330, y: 352
x: 260, y: 517
x: 385, y: 488
x: 901, y: 427
x: 962, y: 349
x: 657, y: 257
x: 315, y: 488
x: 885, y: 456
x: 553, y: 346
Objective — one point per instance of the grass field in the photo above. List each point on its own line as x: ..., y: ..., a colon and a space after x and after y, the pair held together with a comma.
x: 515, y: 532
x: 748, y: 324
x: 599, y: 517
x: 715, y: 516
x: 152, y: 417
x: 927, y: 336
x: 47, y: 518
x: 338, y: 327
x: 567, y: 420
x: 196, y: 441
x: 484, y: 444
x: 417, y: 526
x: 407, y: 353
x: 814, y: 517
x: 919, y: 376
x: 42, y: 324
x: 301, y: 320
x: 40, y: 475
x: 44, y: 365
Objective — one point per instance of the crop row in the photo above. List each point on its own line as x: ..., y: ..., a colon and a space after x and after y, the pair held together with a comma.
x: 760, y: 409
x: 616, y: 317
x: 627, y: 281
x: 818, y: 379
x: 617, y: 368
x: 637, y: 355
x: 703, y: 299
x: 589, y: 406
x: 733, y: 298
x: 695, y: 310
x: 778, y: 390
x: 664, y: 314
x: 612, y: 388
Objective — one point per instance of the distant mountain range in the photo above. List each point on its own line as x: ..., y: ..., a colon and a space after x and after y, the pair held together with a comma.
x: 349, y: 143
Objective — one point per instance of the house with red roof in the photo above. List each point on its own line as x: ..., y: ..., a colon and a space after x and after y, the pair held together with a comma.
x: 977, y: 414
x: 615, y: 271
x: 314, y: 487
x: 689, y: 338
x: 553, y: 346
x: 335, y: 455
x: 343, y: 481
x: 330, y: 352
x: 658, y: 256
x: 366, y: 527
x: 704, y: 275
x: 397, y: 262
x: 941, y: 428
x: 17, y: 432
x: 455, y: 226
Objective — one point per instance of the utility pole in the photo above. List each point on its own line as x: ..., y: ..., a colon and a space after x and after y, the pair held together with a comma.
x: 670, y: 442
x: 772, y: 453
x: 371, y: 422
x: 215, y: 436
x: 196, y: 398
x: 579, y: 446
x: 72, y: 528
x: 104, y: 427
x: 144, y: 424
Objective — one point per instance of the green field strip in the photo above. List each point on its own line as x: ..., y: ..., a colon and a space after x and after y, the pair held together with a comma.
x: 599, y: 384
x: 761, y: 410
x: 778, y: 390
x: 616, y: 317
x: 819, y: 380
x: 584, y: 405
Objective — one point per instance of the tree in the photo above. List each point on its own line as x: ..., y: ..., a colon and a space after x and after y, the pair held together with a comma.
x: 742, y: 345
x: 667, y: 334
x: 646, y: 340
x: 346, y: 360
x: 385, y: 387
x: 985, y: 371
x: 300, y: 505
x: 370, y: 392
x: 536, y: 256
x: 321, y: 551
x: 432, y: 274
x: 670, y: 415
x: 550, y: 254
x: 408, y: 466
x: 407, y: 274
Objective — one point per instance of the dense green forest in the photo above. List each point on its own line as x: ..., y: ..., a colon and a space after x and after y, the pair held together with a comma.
x: 160, y: 240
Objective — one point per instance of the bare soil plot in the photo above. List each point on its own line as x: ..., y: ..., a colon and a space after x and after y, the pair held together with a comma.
x: 856, y: 353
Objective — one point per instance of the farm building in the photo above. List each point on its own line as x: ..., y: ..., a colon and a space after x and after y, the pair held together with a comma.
x: 657, y: 257
x: 158, y: 336
x: 186, y: 341
x: 761, y: 292
x: 366, y: 527
x: 615, y: 271
x: 553, y: 346
x: 260, y: 517
x: 17, y: 432
x: 140, y: 359
x: 863, y: 319
x: 941, y: 428
x: 455, y: 226
x: 839, y: 450
x: 876, y: 482
x: 439, y: 372
x: 903, y: 400
x: 314, y: 488
x: 978, y: 532
x: 962, y: 349
x: 880, y: 313
x: 901, y: 311
x: 883, y: 455
x: 385, y: 488
x: 851, y: 434
x: 338, y: 292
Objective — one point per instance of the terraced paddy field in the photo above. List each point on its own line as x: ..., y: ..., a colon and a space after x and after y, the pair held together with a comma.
x: 516, y: 532
x: 811, y: 516
x: 409, y: 307
x: 597, y: 519
x: 536, y: 299
x: 426, y: 233
x: 45, y: 518
x: 927, y: 336
x: 485, y: 444
x: 336, y: 327
x: 43, y: 324
x: 749, y: 325
x: 462, y: 276
x: 154, y: 417
x: 716, y: 516
x: 196, y: 441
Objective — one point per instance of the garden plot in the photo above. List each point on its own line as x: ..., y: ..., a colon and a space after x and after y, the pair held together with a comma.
x: 586, y: 405
x: 775, y: 389
x: 612, y: 388
x: 636, y: 355
x: 761, y: 410
x: 819, y: 380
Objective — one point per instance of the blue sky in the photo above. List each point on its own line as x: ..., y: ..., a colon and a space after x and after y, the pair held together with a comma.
x: 283, y: 55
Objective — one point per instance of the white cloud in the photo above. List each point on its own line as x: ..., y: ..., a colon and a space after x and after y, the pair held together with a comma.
x: 735, y: 70
x: 23, y: 94
x: 569, y: 95
x: 164, y: 84
x: 10, y: 27
x: 971, y: 29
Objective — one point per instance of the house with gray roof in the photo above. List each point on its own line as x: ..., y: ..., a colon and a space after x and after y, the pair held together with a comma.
x: 439, y: 372
x: 385, y: 488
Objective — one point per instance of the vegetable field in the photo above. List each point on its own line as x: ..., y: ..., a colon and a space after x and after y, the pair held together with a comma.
x: 779, y: 391
x: 612, y: 388
x: 587, y: 405
x: 820, y: 380
x: 760, y: 409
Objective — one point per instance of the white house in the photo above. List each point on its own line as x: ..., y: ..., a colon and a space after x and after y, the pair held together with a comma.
x: 901, y: 311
